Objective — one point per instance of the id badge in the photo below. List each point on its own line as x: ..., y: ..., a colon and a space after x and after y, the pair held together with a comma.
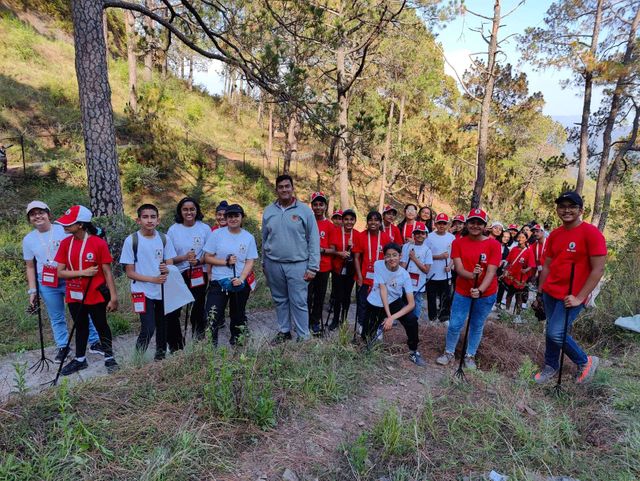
x: 251, y: 281
x: 49, y: 275
x: 414, y: 278
x: 139, y: 302
x: 197, y: 276
x: 369, y: 275
x: 343, y: 272
x: 75, y: 289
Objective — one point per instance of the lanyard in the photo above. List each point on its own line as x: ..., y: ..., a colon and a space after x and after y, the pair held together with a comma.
x: 371, y: 261
x: 518, y: 257
x: 404, y: 230
x: 539, y: 251
x: 46, y: 246
x: 344, y: 240
x: 84, y: 244
x: 390, y: 230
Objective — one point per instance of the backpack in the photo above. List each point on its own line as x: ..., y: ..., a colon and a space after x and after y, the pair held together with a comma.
x: 134, y: 245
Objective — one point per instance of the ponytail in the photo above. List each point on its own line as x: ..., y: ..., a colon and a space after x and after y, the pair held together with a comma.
x: 90, y: 228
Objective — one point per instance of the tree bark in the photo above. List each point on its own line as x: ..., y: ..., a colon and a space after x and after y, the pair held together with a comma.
x: 386, y: 157
x: 190, y: 79
x: 148, y: 56
x: 616, y: 103
x: 403, y: 99
x: 485, y: 111
x: 270, y: 138
x: 586, y: 104
x: 132, y: 61
x: 95, y: 106
x: 291, y: 145
x: 105, y: 31
x: 343, y: 132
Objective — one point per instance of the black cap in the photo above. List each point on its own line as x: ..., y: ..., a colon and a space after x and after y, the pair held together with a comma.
x: 349, y: 212
x: 222, y: 206
x: 233, y: 209
x: 571, y: 196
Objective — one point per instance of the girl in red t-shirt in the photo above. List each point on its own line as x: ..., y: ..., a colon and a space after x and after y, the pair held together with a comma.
x: 517, y: 272
x: 406, y: 226
x: 343, y: 267
x: 84, y: 262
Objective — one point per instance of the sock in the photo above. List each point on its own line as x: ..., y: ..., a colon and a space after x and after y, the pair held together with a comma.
x: 81, y: 359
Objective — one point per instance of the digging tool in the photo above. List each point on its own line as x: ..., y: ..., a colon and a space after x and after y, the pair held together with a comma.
x: 44, y: 362
x: 460, y: 372
x: 187, y: 310
x: 558, y: 387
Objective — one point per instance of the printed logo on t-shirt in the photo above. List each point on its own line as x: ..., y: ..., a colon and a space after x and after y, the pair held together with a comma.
x: 295, y: 218
x: 483, y: 257
x: 197, y: 240
x: 393, y: 283
x: 90, y: 256
x: 159, y: 254
x: 322, y: 233
x: 572, y: 247
x: 56, y: 243
x: 243, y: 248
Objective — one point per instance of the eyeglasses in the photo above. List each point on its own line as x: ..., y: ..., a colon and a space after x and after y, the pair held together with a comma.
x: 568, y: 207
x: 392, y: 256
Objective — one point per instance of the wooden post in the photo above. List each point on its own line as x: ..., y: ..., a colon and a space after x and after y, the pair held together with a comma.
x: 24, y: 162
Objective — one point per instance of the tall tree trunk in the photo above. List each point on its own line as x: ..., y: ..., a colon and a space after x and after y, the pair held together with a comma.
x: 403, y: 99
x: 105, y: 31
x: 148, y: 56
x: 132, y: 61
x: 616, y: 103
x: 343, y: 133
x: 483, y: 128
x: 586, y: 103
x: 612, y: 176
x: 95, y: 106
x: 386, y: 157
x: 190, y: 80
x: 291, y: 144
x: 270, y: 138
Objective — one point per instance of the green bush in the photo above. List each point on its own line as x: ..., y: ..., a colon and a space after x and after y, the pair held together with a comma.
x: 137, y: 177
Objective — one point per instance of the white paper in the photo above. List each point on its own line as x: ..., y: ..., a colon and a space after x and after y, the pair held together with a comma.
x: 176, y: 292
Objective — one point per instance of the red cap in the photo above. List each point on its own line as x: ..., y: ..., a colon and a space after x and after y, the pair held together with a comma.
x: 477, y: 214
x: 336, y: 213
x: 420, y: 227
x: 389, y: 208
x: 536, y: 227
x: 513, y: 227
x: 442, y: 217
x: 76, y: 213
x: 318, y: 196
x: 460, y: 218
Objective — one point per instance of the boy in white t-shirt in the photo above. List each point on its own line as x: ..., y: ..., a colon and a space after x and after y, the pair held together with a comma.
x: 417, y: 259
x: 146, y: 254
x: 385, y: 302
x: 440, y: 286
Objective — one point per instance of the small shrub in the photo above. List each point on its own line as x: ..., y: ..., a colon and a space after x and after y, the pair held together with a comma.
x: 357, y: 453
x: 394, y: 434
x: 264, y: 193
x: 137, y: 177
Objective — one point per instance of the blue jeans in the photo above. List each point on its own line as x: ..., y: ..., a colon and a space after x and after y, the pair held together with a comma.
x: 53, y: 298
x: 459, y: 313
x: 419, y: 298
x: 555, y: 311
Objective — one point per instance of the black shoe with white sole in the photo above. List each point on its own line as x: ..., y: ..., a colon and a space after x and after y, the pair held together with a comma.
x: 74, y: 366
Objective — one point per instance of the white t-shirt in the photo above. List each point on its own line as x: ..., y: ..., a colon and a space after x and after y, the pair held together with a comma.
x: 43, y: 246
x: 423, y: 253
x: 150, y: 255
x: 440, y: 244
x: 223, y: 243
x: 396, y: 281
x: 186, y: 238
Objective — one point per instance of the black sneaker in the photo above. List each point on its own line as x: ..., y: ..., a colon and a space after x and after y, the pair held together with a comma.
x: 61, y: 355
x: 96, y: 348
x: 315, y: 328
x: 74, y: 366
x: 281, y: 337
x: 334, y: 325
x: 111, y: 365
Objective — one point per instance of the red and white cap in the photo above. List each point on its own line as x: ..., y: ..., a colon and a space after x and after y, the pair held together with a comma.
x: 389, y: 208
x: 419, y: 227
x: 460, y: 218
x: 536, y: 227
x: 336, y: 213
x: 74, y: 214
x: 442, y: 217
x: 477, y: 214
x: 318, y: 196
x: 513, y: 227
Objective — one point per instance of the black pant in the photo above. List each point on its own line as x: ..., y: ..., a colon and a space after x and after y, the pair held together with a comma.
x: 315, y: 296
x: 375, y: 315
x: 361, y: 303
x: 217, y: 299
x: 80, y: 315
x: 197, y: 319
x: 342, y: 296
x: 439, y: 290
x: 153, y: 320
x: 501, y: 290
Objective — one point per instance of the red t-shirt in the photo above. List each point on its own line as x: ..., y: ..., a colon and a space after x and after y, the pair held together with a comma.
x: 469, y: 251
x: 407, y: 232
x: 366, y: 246
x: 215, y: 227
x: 341, y: 240
x: 325, y: 228
x: 538, y: 253
x: 575, y: 246
x: 96, y: 253
x: 519, y: 259
x: 394, y: 233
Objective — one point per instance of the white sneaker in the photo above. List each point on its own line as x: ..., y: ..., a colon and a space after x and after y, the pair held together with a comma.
x: 518, y: 320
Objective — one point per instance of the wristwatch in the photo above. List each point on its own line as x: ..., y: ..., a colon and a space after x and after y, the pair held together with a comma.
x: 33, y: 290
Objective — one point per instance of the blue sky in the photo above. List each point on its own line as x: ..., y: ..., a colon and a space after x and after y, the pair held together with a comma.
x: 458, y: 42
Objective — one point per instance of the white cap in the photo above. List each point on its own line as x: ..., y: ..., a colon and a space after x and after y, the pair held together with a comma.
x: 37, y: 204
x: 497, y: 224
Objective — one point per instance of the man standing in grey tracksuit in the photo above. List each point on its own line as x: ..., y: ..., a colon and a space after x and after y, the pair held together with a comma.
x: 291, y: 258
